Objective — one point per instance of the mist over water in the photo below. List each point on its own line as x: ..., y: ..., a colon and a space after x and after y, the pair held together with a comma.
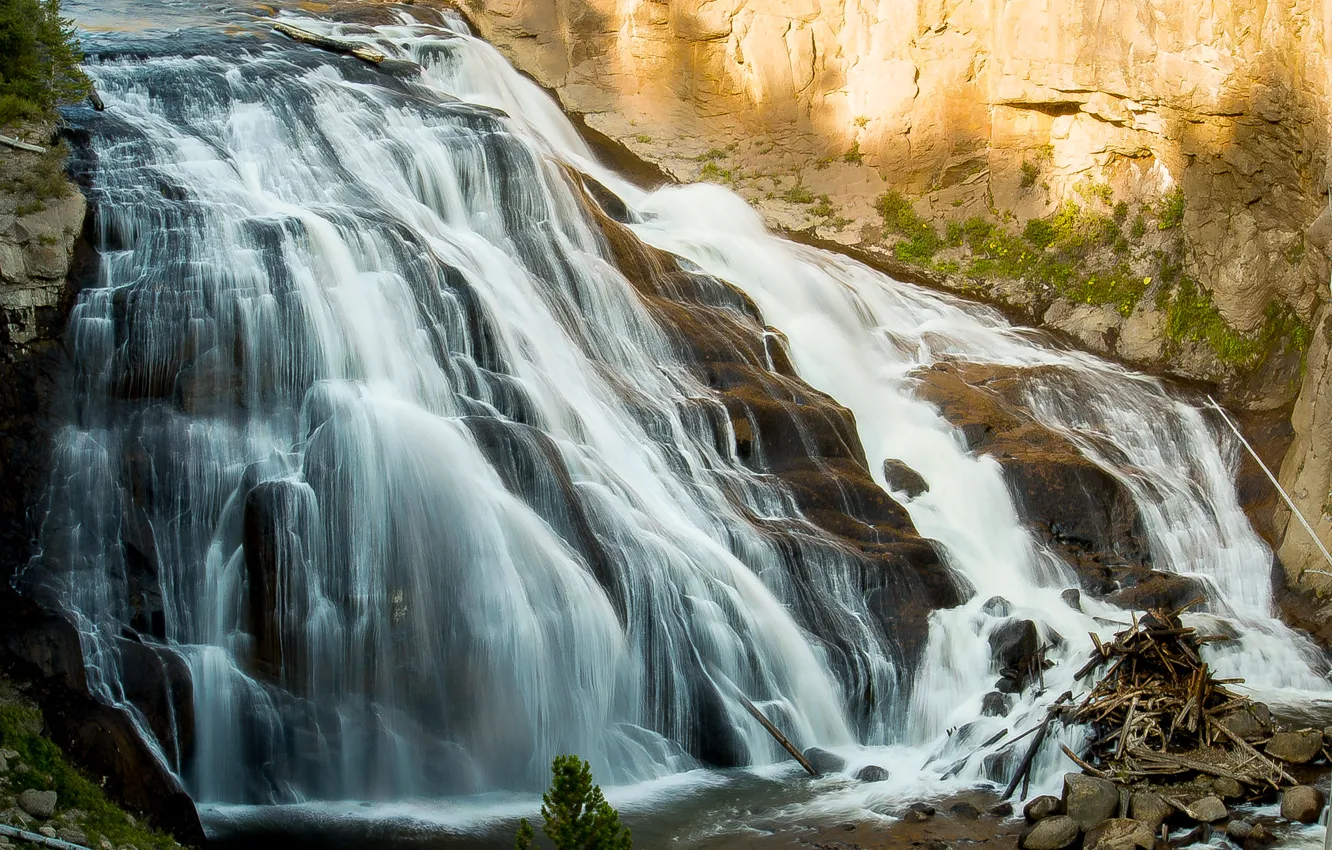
x: 367, y: 430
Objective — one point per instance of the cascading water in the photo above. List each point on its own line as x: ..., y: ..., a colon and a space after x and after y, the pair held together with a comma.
x: 369, y: 430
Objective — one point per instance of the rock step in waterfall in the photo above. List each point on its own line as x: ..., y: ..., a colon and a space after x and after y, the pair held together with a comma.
x: 426, y: 448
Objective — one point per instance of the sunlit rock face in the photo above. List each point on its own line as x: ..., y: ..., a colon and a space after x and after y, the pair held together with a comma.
x: 968, y: 108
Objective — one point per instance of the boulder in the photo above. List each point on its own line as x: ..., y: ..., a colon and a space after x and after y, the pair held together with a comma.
x: 1302, y: 803
x: 1000, y: 810
x: 1120, y: 834
x: 1261, y: 834
x: 1088, y: 800
x: 1238, y: 830
x: 872, y: 773
x: 1295, y: 747
x: 1227, y: 788
x: 824, y: 761
x: 1072, y: 598
x: 1014, y: 645
x: 996, y: 704
x: 1327, y: 735
x: 997, y: 606
x: 39, y: 804
x: 966, y: 811
x: 918, y: 812
x: 903, y: 479
x: 1207, y: 809
x: 1053, y: 833
x: 1041, y: 808
x: 1251, y: 723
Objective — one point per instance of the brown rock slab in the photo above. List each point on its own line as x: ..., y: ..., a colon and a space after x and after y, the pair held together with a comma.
x: 1041, y: 808
x: 1208, y: 809
x: 1120, y: 834
x: 1053, y: 833
x: 1150, y: 808
x: 1295, y: 747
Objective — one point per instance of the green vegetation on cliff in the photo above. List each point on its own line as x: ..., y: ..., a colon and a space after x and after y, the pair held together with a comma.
x: 37, y: 764
x: 1082, y: 253
x: 39, y: 61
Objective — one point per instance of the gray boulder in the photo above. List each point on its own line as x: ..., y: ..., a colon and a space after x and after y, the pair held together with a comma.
x: 1238, y: 830
x: 1089, y: 800
x: 1295, y: 747
x: 964, y: 810
x: 1227, y: 788
x: 995, y: 704
x: 1072, y: 598
x: 1207, y: 809
x: 1054, y: 833
x: 1120, y: 834
x: 872, y: 773
x: 997, y: 606
x: 1041, y: 808
x: 1302, y: 803
x: 918, y: 812
x: 39, y: 804
x: 824, y: 761
x: 1151, y: 809
x: 1251, y: 723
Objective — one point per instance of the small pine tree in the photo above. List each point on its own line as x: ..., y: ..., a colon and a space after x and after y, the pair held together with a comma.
x: 577, y: 816
x: 39, y: 60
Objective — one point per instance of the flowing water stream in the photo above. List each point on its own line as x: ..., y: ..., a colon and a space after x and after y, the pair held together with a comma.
x: 352, y: 328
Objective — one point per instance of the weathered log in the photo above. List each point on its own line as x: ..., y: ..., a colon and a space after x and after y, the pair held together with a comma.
x: 39, y: 840
x: 777, y: 733
x: 335, y: 45
x: 23, y: 146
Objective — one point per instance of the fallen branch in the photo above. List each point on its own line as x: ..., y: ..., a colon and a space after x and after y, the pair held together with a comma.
x: 777, y: 733
x: 335, y: 45
x: 41, y: 840
x: 23, y: 146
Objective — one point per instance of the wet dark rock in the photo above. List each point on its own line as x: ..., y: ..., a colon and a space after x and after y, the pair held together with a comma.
x: 997, y: 606
x: 1238, y: 830
x: 1207, y: 809
x: 1295, y: 747
x: 1041, y: 808
x: 1076, y: 506
x: 1088, y: 800
x: 1053, y: 833
x: 964, y: 810
x: 903, y: 479
x: 1014, y: 645
x: 1302, y: 803
x: 1153, y: 589
x: 872, y: 773
x: 1252, y: 722
x: 824, y: 761
x: 1000, y: 810
x: 1150, y: 808
x: 157, y: 680
x: 1120, y: 834
x: 995, y: 704
x: 1072, y: 598
x: 39, y: 804
x: 1260, y: 836
x: 918, y: 812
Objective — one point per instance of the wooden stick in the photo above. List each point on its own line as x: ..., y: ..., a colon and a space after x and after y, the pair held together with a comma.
x: 336, y: 45
x: 776, y: 733
x: 40, y: 840
x: 1248, y: 748
x: 1128, y: 724
x: 1025, y: 766
x: 23, y: 146
x: 1080, y: 763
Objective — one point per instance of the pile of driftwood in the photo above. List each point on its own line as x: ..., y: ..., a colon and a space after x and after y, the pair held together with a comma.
x: 1157, y: 712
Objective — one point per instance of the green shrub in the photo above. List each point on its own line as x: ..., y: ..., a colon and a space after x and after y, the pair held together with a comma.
x: 715, y: 174
x: 39, y: 60
x: 1191, y: 316
x: 711, y: 155
x: 798, y: 194
x: 576, y: 815
x: 1170, y: 211
x: 854, y: 155
x: 1031, y: 172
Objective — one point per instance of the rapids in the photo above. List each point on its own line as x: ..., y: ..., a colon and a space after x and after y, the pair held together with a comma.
x: 365, y: 428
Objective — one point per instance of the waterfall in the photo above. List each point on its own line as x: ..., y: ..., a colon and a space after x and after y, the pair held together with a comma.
x: 367, y: 427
